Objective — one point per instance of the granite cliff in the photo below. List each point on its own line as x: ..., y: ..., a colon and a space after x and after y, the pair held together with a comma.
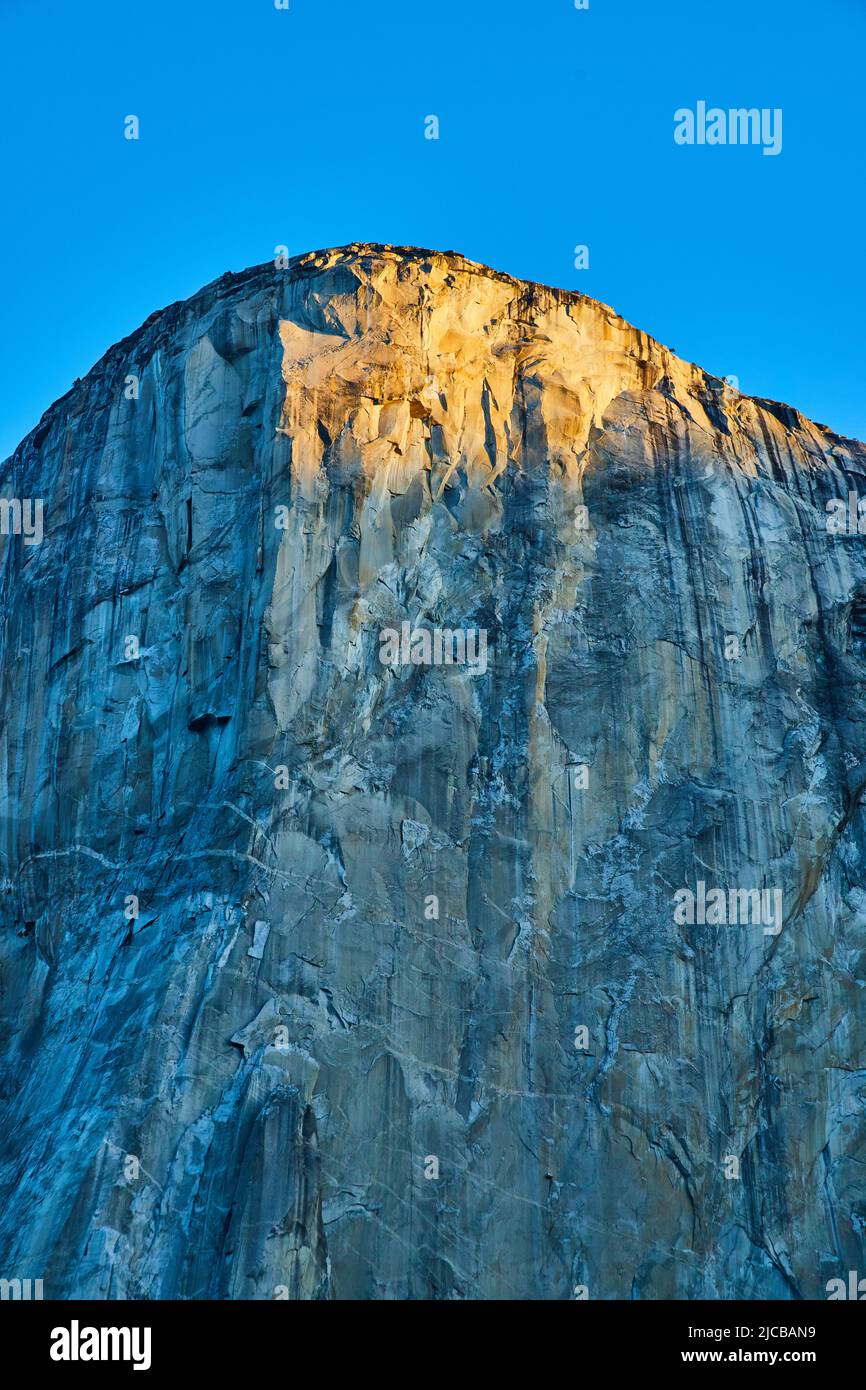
x: 333, y: 970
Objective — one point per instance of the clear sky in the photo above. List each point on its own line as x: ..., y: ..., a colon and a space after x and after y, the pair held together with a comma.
x: 305, y: 127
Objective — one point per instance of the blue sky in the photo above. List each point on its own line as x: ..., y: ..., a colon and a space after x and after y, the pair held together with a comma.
x: 305, y: 127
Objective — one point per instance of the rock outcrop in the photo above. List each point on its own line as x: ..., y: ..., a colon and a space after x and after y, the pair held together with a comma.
x: 333, y: 970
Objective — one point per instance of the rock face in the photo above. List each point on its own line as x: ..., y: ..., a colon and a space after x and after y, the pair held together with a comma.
x: 329, y: 976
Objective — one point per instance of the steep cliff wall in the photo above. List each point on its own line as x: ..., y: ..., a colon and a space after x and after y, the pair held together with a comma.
x: 328, y: 977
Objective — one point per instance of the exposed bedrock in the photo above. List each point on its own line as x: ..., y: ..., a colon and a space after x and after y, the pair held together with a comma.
x: 325, y: 976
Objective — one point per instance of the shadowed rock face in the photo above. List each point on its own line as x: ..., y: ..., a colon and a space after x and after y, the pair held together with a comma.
x: 410, y: 1007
